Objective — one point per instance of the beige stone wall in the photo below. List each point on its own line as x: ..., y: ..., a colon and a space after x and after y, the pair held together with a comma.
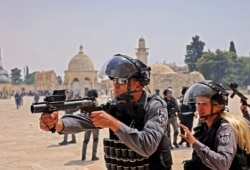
x: 23, y: 87
x: 80, y: 80
x: 106, y: 87
x: 5, y: 90
x: 46, y: 80
x: 174, y: 80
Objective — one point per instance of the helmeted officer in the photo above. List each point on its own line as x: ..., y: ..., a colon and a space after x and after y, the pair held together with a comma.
x: 69, y: 96
x: 137, y: 125
x: 95, y: 132
x: 217, y: 142
x: 186, y: 115
x: 173, y: 111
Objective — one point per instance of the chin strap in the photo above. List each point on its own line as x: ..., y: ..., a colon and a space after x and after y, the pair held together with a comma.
x: 147, y: 88
x: 127, y: 96
x: 203, y: 118
x: 211, y: 113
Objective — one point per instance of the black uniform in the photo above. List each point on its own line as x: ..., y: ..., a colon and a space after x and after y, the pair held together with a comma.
x: 142, y: 134
x: 215, y: 149
x: 186, y: 116
x: 173, y: 111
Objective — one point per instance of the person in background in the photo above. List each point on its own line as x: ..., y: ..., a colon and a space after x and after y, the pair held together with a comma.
x: 18, y: 99
x: 69, y: 95
x: 36, y: 97
x: 95, y: 132
x: 186, y: 115
x: 245, y: 112
x: 157, y: 92
x: 173, y: 110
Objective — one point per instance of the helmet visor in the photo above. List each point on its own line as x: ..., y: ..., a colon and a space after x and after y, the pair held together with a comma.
x: 198, y: 90
x: 117, y: 67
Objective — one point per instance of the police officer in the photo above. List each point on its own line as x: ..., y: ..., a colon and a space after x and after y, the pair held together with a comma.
x: 173, y: 110
x: 95, y: 132
x: 137, y: 132
x: 186, y: 115
x: 36, y: 97
x: 18, y: 99
x: 245, y: 112
x: 69, y: 95
x: 215, y: 141
x: 157, y: 92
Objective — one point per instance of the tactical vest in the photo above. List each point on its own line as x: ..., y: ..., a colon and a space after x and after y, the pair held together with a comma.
x: 186, y: 107
x: 171, y: 106
x: 201, y: 134
x: 119, y: 157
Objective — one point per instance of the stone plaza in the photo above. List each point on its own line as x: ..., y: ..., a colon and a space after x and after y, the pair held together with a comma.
x: 25, y: 147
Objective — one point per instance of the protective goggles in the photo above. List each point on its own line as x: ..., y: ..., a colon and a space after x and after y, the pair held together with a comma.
x: 120, y: 81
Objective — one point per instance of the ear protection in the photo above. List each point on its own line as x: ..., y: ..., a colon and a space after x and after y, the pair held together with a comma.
x: 143, y: 70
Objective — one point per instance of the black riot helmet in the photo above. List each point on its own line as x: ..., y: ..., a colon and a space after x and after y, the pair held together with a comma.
x: 92, y: 93
x: 122, y: 66
x: 167, y: 91
x: 184, y: 89
x: 213, y: 91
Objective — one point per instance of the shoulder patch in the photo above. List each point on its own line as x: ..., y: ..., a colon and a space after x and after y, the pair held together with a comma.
x: 224, y: 138
x: 162, y: 115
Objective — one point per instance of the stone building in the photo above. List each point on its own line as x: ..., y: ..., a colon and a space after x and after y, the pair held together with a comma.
x: 46, y: 81
x: 162, y: 76
x: 5, y: 82
x: 81, y: 75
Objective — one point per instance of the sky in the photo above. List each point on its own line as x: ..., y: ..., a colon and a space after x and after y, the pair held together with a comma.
x: 45, y: 34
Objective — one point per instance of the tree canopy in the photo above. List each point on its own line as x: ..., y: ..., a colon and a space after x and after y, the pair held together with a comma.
x: 222, y: 67
x: 194, y: 52
x: 16, y: 76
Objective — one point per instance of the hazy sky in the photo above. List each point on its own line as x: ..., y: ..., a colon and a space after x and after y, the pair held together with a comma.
x: 46, y: 34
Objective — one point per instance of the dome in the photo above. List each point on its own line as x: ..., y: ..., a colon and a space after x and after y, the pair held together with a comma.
x: 159, y: 68
x: 81, y: 62
x: 198, y: 74
x: 4, y: 78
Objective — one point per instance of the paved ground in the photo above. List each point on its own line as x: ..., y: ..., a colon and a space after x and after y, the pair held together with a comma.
x: 24, y: 146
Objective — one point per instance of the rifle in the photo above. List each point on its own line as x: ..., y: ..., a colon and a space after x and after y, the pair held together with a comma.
x: 243, y: 99
x: 57, y: 101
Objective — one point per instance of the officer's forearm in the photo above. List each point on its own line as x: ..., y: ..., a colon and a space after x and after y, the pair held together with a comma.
x: 115, y: 125
x: 59, y: 126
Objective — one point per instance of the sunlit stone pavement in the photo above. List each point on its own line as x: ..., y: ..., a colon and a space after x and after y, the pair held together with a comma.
x: 24, y: 146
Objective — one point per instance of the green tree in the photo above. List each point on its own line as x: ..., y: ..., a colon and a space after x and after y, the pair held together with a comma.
x: 194, y: 52
x: 216, y: 66
x: 232, y: 47
x: 30, y: 78
x: 16, y: 76
x: 243, y: 71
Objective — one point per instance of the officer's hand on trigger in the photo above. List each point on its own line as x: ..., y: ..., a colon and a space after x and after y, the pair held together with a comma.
x: 102, y: 119
x: 48, y: 121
